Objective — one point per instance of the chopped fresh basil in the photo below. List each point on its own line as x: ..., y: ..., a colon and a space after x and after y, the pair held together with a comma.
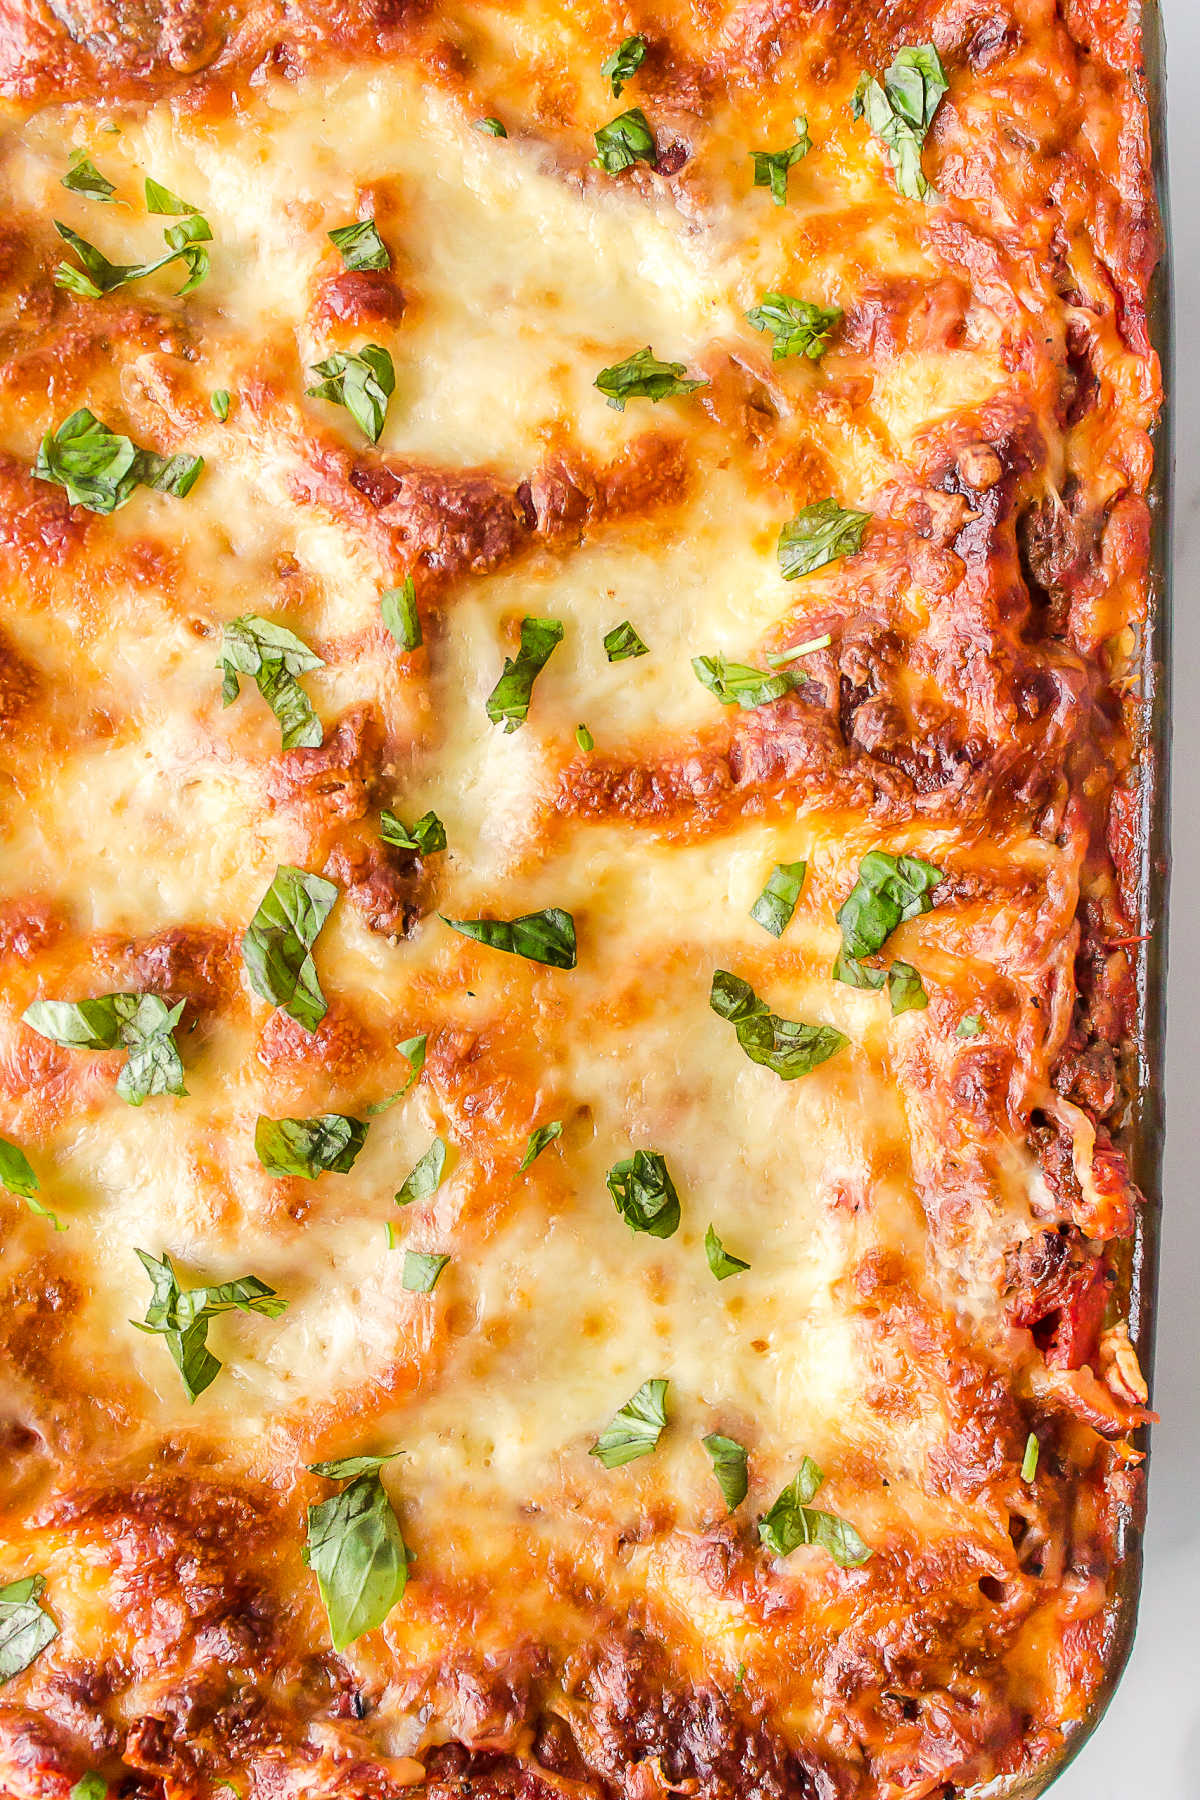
x: 644, y: 1194
x: 98, y: 276
x: 182, y: 1317
x: 160, y: 199
x: 543, y: 937
x: 889, y: 890
x: 398, y: 608
x: 362, y: 381
x: 1029, y: 1462
x: 906, y: 990
x: 799, y: 327
x: 538, y: 1140
x: 622, y: 642
x: 858, y: 974
x: 779, y: 659
x: 969, y: 1026
x: 421, y: 1271
x: 83, y: 177
x: 424, y: 1178
x: 140, y: 1023
x: 771, y: 166
x: 625, y: 140
x: 347, y: 1468
x: 309, y: 1147
x: 901, y: 111
x: 729, y: 1463
x: 93, y: 1787
x: 792, y: 1522
x: 493, y: 127
x: 739, y: 1677
x: 623, y: 64
x: 818, y: 535
x: 426, y: 837
x: 25, y: 1626
x: 736, y: 684
x: 722, y: 1263
x: 508, y: 702
x: 273, y: 657
x: 16, y: 1172
x: 781, y: 1045
x: 219, y: 402
x: 361, y: 245
x: 636, y: 1428
x: 100, y: 469
x: 358, y: 1555
x: 277, y: 944
x: 584, y: 738
x: 644, y: 376
x: 775, y: 905
x: 414, y: 1049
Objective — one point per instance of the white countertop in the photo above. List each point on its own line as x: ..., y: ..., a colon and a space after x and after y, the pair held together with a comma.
x: 1148, y: 1745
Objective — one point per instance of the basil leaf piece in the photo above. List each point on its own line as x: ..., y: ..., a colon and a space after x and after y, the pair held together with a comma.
x: 818, y: 535
x: 358, y: 1555
x: 425, y: 1176
x: 792, y: 1522
x: 346, y: 1468
x: 508, y: 702
x: 362, y: 381
x: 775, y: 905
x: 414, y: 1049
x: 969, y: 1026
x: 398, y: 609
x: 584, y: 738
x: 906, y: 990
x: 625, y: 140
x: 100, y: 469
x: 542, y: 937
x: 730, y: 1466
x: 786, y: 1048
x: 361, y: 245
x: 83, y: 177
x: 720, y: 1260
x: 644, y: 1194
x: 636, y: 1428
x: 889, y: 891
x: 140, y: 1023
x: 219, y: 402
x: 426, y: 837
x: 736, y: 684
x: 16, y: 1172
x: 623, y: 64
x: 622, y: 642
x: 181, y: 1317
x: 901, y: 111
x: 799, y: 327
x: 160, y: 199
x: 779, y: 659
x: 273, y: 657
x: 330, y: 1143
x: 1029, y: 1462
x: 421, y: 1271
x: 643, y: 376
x: 26, y: 1628
x: 90, y: 1787
x: 277, y: 943
x: 771, y: 166
x: 858, y: 974
x: 493, y: 127
x: 98, y: 276
x: 538, y: 1140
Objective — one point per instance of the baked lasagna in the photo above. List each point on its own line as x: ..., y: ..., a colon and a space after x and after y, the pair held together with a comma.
x: 570, y: 794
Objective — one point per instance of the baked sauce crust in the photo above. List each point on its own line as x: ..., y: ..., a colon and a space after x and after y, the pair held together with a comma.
x: 618, y: 1635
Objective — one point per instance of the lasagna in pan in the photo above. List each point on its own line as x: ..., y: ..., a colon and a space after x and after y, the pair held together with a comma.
x: 569, y: 838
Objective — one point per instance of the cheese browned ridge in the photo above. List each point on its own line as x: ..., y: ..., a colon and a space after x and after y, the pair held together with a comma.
x: 936, y: 1218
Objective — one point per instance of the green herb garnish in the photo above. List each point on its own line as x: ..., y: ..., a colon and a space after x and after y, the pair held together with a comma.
x: 643, y: 376
x: 362, y: 381
x: 792, y: 1521
x: 182, y: 1317
x: 543, y: 937
x: 140, y: 1023
x: 786, y: 1048
x: 277, y: 944
x: 636, y: 1428
x: 644, y: 1194
x: 771, y: 166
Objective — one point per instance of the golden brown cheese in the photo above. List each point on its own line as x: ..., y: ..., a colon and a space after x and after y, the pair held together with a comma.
x: 936, y: 1219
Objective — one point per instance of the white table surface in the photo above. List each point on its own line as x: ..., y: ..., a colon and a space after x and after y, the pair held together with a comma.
x: 1148, y: 1745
